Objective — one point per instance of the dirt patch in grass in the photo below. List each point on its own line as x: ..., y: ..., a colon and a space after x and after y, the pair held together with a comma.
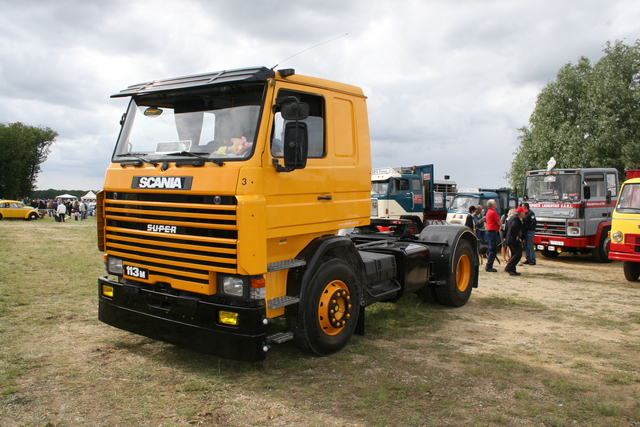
x: 556, y: 346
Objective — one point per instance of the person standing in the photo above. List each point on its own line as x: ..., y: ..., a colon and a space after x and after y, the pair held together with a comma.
x: 62, y: 211
x: 513, y: 238
x: 529, y: 230
x: 480, y: 224
x: 492, y: 227
x: 470, y: 222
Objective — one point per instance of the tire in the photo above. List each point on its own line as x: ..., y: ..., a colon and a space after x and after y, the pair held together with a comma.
x: 0, y: 216
x: 414, y: 227
x: 32, y: 216
x: 327, y: 316
x: 631, y: 270
x: 601, y: 253
x: 549, y: 254
x: 457, y: 291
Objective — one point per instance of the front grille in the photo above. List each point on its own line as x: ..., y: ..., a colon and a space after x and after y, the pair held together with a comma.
x: 176, y: 236
x: 551, y: 228
x: 633, y: 240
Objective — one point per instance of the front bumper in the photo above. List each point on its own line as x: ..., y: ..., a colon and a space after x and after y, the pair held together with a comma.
x: 185, y: 321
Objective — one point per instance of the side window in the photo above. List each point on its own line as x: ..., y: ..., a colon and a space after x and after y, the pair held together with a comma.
x: 596, y: 184
x: 612, y: 184
x: 415, y: 184
x: 315, y: 125
x: 403, y: 185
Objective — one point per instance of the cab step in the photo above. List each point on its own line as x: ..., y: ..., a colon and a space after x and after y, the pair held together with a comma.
x: 287, y: 263
x: 280, y: 337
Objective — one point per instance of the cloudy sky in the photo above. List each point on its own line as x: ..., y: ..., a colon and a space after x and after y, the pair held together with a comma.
x: 448, y: 82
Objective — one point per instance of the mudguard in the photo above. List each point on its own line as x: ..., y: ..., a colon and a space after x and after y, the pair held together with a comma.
x: 443, y: 241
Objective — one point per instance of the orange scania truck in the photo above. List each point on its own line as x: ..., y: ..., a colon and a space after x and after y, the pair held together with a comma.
x: 625, y: 227
x: 238, y: 197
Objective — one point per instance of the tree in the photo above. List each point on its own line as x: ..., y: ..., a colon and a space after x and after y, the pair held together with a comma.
x: 587, y: 117
x: 22, y: 150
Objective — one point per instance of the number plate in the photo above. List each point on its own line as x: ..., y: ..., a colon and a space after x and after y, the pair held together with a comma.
x: 556, y: 242
x: 135, y: 272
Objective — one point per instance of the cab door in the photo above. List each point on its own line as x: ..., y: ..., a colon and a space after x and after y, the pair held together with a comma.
x: 597, y: 209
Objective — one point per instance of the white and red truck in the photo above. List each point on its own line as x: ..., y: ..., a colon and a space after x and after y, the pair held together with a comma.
x: 573, y: 208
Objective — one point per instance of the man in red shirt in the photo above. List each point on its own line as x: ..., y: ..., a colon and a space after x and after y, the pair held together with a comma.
x: 492, y: 234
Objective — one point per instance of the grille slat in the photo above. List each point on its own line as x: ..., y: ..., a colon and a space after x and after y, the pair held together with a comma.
x: 551, y: 228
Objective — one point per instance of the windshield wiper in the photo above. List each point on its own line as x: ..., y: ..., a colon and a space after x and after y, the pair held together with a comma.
x: 197, y: 154
x: 628, y: 208
x: 139, y: 160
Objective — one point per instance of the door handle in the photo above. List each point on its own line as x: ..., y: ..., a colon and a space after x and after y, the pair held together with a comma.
x: 325, y: 198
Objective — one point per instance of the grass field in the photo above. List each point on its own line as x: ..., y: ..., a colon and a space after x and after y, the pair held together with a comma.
x: 555, y: 347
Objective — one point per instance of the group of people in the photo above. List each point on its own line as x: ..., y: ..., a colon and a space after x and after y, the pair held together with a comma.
x: 61, y: 210
x: 512, y: 231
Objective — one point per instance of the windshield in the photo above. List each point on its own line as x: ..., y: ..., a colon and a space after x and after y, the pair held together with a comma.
x: 379, y: 188
x: 463, y: 202
x: 553, y: 187
x: 629, y: 199
x: 211, y: 126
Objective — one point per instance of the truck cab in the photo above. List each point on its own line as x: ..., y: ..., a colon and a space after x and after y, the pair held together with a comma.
x: 625, y: 227
x: 221, y: 211
x: 409, y: 193
x: 466, y: 197
x: 573, y: 208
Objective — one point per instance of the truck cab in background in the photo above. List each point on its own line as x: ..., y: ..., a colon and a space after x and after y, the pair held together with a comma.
x: 410, y: 194
x: 466, y: 197
x: 625, y: 227
x: 573, y: 208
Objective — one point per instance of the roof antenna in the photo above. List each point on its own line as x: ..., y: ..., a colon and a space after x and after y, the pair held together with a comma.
x: 319, y: 44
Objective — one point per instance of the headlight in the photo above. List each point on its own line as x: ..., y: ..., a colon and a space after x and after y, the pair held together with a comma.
x: 572, y: 231
x: 232, y: 286
x: 114, y: 265
x: 617, y: 236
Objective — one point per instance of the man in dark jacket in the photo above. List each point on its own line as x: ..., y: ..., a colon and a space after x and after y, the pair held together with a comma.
x: 470, y: 222
x: 529, y: 230
x: 513, y: 238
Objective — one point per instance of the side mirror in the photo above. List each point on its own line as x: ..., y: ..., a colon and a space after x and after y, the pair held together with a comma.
x: 296, y: 145
x: 292, y: 109
x: 608, y: 197
x: 587, y: 192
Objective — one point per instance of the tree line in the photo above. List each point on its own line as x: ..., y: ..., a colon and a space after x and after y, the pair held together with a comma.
x: 588, y: 117
x: 23, y: 149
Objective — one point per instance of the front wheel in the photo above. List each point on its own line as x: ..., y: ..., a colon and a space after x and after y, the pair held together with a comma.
x: 326, y: 319
x: 601, y: 253
x: 457, y: 291
x: 32, y: 216
x: 549, y: 254
x: 631, y: 270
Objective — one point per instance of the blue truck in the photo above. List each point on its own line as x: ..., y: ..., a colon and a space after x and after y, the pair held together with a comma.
x: 409, y: 196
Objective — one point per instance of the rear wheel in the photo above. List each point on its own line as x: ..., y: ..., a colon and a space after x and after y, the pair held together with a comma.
x: 32, y: 216
x: 631, y: 270
x: 457, y: 291
x: 325, y: 321
x: 414, y: 227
